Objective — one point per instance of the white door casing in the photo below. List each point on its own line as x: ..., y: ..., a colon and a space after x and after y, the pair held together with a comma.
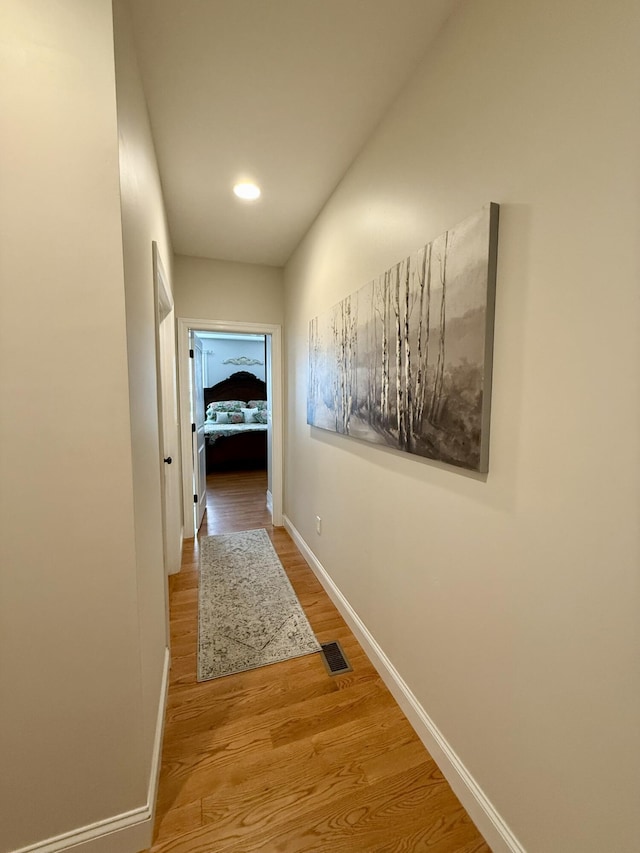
x: 166, y: 387
x: 170, y: 447
x: 275, y: 462
x: 199, y: 455
x: 268, y: 352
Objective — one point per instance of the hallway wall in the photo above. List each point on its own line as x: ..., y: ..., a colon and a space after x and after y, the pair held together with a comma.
x: 228, y: 291
x: 144, y: 221
x: 508, y: 604
x: 71, y: 722
x: 225, y: 290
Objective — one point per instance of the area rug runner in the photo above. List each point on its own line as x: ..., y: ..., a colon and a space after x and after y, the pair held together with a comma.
x: 248, y: 613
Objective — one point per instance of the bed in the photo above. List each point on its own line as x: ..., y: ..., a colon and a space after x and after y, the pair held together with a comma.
x: 236, y: 432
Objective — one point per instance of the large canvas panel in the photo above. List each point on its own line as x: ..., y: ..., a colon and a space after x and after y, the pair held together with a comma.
x: 405, y: 361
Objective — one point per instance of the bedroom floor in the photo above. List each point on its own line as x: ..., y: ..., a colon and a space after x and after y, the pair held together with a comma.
x: 287, y: 758
x: 236, y: 501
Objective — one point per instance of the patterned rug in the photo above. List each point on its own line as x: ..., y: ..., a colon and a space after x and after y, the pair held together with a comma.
x: 248, y: 613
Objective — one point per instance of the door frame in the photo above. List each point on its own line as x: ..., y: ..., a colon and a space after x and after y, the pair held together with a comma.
x: 198, y: 435
x: 163, y: 307
x: 184, y: 325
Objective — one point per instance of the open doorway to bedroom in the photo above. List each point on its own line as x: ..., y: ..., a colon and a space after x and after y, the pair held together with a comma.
x: 236, y: 427
x: 231, y: 419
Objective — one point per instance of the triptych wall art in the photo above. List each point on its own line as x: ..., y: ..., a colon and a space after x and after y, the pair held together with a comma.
x: 406, y: 360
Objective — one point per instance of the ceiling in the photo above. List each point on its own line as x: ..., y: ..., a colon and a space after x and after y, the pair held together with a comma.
x: 281, y: 92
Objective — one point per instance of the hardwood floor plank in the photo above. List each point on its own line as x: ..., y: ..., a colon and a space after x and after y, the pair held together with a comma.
x: 178, y: 821
x: 367, y: 738
x: 392, y: 762
x: 439, y: 839
x: 286, y: 758
x: 302, y: 786
x: 324, y: 713
x: 264, y: 701
x: 357, y: 820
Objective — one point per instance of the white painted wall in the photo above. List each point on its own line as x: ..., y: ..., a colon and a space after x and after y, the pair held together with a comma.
x: 217, y: 351
x: 71, y: 721
x: 207, y: 289
x: 509, y: 604
x: 224, y: 290
x: 143, y: 221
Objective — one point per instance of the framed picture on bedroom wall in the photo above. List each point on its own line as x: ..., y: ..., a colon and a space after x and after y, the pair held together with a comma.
x: 405, y: 361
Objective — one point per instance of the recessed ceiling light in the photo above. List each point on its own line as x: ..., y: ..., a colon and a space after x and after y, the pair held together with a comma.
x: 246, y: 191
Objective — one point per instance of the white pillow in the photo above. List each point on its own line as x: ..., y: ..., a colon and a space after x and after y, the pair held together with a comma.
x: 222, y: 417
x: 248, y: 415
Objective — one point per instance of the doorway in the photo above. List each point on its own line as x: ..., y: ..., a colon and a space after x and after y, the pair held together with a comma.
x: 223, y: 334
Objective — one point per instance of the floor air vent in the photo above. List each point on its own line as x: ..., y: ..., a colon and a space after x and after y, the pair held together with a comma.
x: 334, y: 658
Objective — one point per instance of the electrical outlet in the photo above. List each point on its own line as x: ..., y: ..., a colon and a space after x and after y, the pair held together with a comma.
x: 318, y: 525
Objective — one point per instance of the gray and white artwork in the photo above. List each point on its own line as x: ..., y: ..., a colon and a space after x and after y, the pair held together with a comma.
x: 406, y: 360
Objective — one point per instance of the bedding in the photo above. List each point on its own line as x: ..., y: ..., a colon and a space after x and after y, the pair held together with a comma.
x: 223, y: 407
x: 229, y: 418
x: 214, y: 431
x: 235, y: 412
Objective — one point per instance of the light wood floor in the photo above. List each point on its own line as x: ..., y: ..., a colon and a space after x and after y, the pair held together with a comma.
x: 287, y: 759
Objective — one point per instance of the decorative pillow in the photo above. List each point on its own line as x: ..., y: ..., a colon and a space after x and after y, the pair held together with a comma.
x: 229, y: 418
x: 260, y: 417
x: 257, y: 404
x: 211, y: 415
x: 227, y: 406
x: 249, y: 415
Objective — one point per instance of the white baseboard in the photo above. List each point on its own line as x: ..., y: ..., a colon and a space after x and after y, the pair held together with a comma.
x: 124, y: 833
x: 154, y: 776
x: 479, y: 807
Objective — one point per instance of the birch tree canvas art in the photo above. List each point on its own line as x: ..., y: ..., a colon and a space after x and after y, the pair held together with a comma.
x: 406, y: 360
